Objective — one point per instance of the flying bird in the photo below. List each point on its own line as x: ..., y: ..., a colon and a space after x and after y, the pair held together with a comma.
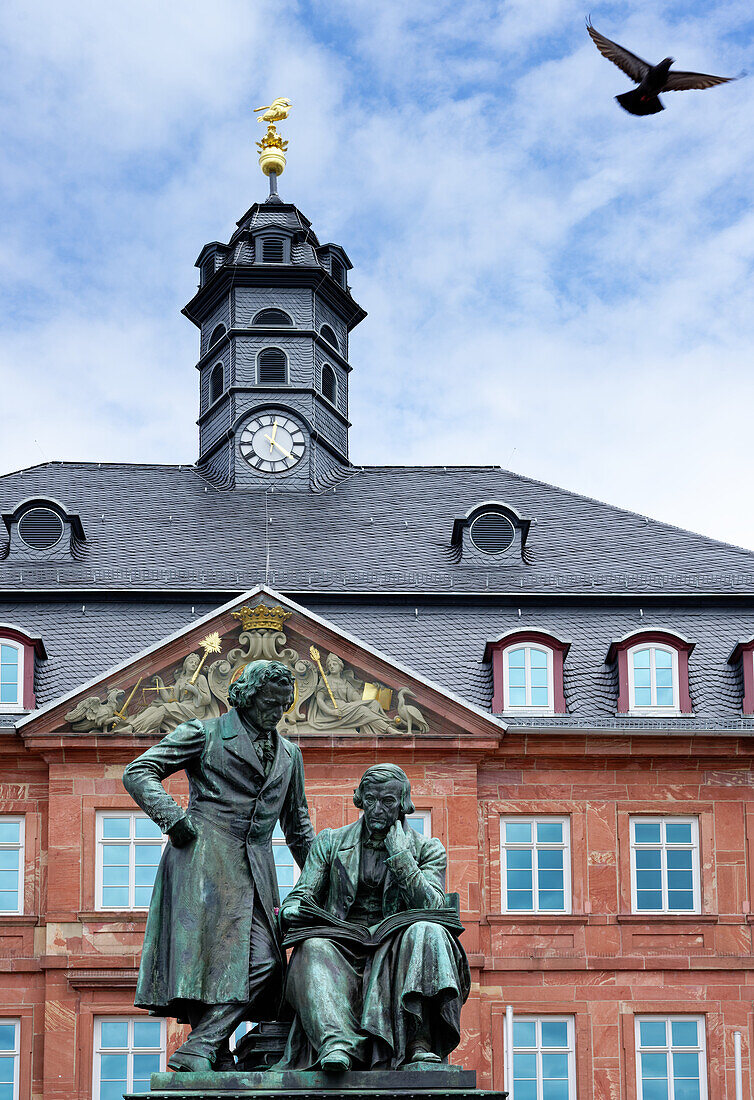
x: 652, y: 79
x: 276, y: 112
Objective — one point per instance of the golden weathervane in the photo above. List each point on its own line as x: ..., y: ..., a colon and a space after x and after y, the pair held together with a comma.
x: 272, y: 147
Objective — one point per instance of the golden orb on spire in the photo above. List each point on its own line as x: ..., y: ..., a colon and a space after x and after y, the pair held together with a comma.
x: 272, y: 147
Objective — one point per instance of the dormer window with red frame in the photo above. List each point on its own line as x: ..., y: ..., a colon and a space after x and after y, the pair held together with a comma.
x: 527, y: 672
x: 744, y: 652
x: 17, y: 657
x: 653, y: 673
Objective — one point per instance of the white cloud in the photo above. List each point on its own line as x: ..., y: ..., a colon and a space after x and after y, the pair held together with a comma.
x: 550, y: 282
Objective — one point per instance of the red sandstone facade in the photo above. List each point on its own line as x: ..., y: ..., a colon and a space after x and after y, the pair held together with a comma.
x: 64, y: 963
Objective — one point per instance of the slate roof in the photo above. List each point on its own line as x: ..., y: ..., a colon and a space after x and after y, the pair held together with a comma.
x: 381, y: 529
x: 442, y: 639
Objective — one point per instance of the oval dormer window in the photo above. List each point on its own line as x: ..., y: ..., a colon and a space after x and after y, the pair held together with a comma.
x: 274, y: 317
x: 272, y: 250
x: 40, y: 528
x: 492, y: 533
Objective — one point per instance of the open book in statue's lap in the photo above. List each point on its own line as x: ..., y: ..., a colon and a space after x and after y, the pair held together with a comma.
x: 370, y: 986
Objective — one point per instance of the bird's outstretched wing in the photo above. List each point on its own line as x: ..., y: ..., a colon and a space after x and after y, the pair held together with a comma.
x: 631, y: 65
x: 683, y: 82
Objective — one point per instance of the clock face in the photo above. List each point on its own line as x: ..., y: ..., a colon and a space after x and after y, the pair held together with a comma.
x: 272, y: 443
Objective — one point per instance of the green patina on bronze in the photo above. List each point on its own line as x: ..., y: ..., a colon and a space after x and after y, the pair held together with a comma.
x: 382, y: 1005
x: 212, y: 954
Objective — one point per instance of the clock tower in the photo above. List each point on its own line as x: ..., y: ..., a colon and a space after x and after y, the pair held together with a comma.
x: 274, y: 313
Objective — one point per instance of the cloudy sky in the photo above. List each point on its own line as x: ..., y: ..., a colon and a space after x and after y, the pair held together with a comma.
x: 552, y: 285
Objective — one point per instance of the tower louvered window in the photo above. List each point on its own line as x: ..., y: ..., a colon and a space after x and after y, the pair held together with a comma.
x: 327, y: 334
x: 338, y: 272
x: 216, y: 383
x: 329, y: 385
x: 272, y: 250
x: 272, y: 367
x: 217, y: 334
x: 272, y: 317
x: 207, y: 270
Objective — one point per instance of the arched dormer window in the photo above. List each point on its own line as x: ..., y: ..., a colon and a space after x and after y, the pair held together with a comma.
x: 271, y: 367
x: 527, y: 672
x: 329, y: 384
x: 216, y: 383
x: 653, y: 673
x: 272, y: 317
x: 217, y: 334
x: 273, y: 250
x: 328, y: 334
x: 17, y: 653
x: 207, y: 270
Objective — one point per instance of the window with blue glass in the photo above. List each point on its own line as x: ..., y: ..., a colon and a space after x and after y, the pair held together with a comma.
x: 544, y: 1065
x: 665, y: 865
x: 653, y: 679
x: 11, y: 864
x: 9, y: 1055
x: 535, y: 864
x: 670, y: 1058
x: 129, y: 848
x: 11, y: 674
x: 126, y: 1054
x: 285, y: 865
x: 527, y: 678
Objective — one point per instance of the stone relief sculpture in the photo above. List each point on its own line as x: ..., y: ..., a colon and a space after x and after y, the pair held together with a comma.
x: 329, y: 697
x: 94, y: 713
x: 188, y: 697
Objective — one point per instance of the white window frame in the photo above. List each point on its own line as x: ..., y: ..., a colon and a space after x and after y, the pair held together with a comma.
x: 522, y: 819
x: 664, y: 846
x: 20, y: 848
x: 15, y: 708
x: 669, y: 1048
x: 426, y: 817
x: 529, y: 707
x: 101, y: 843
x: 15, y: 1054
x: 653, y: 708
x: 130, y: 1050
x: 570, y: 1050
x: 280, y: 842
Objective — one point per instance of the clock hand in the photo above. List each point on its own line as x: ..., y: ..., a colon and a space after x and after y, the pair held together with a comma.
x: 274, y: 433
x: 282, y: 450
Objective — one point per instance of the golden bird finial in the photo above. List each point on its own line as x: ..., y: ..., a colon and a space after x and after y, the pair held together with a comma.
x: 272, y: 147
x: 276, y: 112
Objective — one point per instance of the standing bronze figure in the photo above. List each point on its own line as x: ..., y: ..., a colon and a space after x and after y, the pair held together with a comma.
x: 377, y: 977
x: 212, y: 955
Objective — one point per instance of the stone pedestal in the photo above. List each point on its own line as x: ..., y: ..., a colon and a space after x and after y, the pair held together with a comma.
x: 418, y: 1081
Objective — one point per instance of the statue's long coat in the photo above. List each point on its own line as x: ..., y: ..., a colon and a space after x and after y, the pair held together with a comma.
x: 196, y: 946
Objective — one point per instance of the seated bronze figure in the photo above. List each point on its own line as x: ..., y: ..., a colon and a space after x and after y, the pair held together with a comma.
x: 377, y: 977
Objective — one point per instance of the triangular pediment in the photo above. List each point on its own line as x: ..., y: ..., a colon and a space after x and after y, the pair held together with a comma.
x: 346, y: 691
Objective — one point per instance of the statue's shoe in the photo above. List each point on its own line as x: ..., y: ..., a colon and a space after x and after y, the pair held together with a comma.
x: 337, y: 1061
x: 184, y: 1062
x: 421, y: 1054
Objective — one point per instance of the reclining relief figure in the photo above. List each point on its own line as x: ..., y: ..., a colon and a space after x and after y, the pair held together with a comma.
x: 377, y: 977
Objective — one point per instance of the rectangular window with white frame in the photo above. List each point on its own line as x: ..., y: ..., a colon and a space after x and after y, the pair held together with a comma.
x: 11, y: 864
x: 127, y: 1051
x: 671, y: 1061
x: 129, y: 848
x: 10, y: 1046
x: 543, y: 1058
x: 665, y: 865
x: 535, y: 864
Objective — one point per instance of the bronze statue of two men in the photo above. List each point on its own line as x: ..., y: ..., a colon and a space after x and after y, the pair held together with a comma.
x: 377, y: 976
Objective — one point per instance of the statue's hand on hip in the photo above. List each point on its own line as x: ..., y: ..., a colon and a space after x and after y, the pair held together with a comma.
x: 182, y: 833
